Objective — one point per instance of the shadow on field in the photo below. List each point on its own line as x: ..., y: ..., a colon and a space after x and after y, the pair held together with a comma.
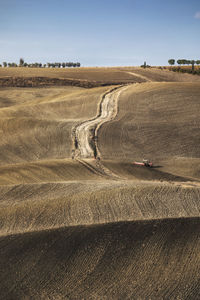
x: 156, y: 167
x: 131, y: 171
x: 138, y: 260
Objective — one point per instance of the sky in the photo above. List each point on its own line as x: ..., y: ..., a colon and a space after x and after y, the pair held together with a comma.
x: 99, y: 32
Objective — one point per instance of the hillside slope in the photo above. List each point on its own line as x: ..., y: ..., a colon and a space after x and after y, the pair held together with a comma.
x: 40, y: 127
x: 159, y: 121
x: 136, y: 260
x: 87, y: 77
x: 71, y: 230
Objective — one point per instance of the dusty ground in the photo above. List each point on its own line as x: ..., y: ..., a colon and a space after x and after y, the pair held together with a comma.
x: 159, y: 121
x: 100, y: 229
x: 87, y: 77
x: 136, y: 260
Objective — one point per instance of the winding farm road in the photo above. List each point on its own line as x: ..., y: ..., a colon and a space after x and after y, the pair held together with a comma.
x: 140, y: 76
x: 86, y: 132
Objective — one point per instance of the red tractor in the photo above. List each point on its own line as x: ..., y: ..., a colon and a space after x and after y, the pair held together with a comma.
x: 144, y: 163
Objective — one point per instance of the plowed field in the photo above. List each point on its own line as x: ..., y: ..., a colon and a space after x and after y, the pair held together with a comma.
x: 78, y: 220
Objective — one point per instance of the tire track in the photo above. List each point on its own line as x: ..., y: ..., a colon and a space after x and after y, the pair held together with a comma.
x: 85, y: 135
x: 140, y: 76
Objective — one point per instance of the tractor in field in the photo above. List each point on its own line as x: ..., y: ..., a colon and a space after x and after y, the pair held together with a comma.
x: 144, y: 163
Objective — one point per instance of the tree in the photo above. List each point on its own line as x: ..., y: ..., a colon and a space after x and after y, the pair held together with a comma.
x: 171, y: 61
x: 21, y: 62
x: 198, y: 62
x: 5, y: 64
x: 179, y: 62
x: 78, y: 64
x: 63, y: 65
x: 192, y: 62
x: 184, y: 61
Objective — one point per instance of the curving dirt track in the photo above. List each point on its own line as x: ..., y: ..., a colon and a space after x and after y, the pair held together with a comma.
x: 140, y: 76
x: 71, y: 230
x: 159, y: 121
x: 107, y: 112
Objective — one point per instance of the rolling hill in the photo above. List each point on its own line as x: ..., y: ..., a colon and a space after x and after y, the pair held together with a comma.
x: 76, y: 227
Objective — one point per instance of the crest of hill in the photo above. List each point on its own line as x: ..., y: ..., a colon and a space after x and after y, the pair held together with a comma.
x: 86, y: 77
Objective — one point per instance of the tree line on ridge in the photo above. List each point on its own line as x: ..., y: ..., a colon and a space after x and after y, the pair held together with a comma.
x: 22, y: 63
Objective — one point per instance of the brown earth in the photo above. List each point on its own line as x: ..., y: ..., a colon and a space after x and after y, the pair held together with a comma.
x: 83, y: 77
x: 158, y: 75
x: 128, y: 260
x: 86, y: 77
x: 39, y: 124
x: 159, y: 121
x: 70, y: 231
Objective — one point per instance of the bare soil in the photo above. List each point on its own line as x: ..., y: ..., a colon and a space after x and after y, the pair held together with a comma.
x: 124, y: 260
x: 85, y: 228
x: 87, y: 77
x: 158, y: 121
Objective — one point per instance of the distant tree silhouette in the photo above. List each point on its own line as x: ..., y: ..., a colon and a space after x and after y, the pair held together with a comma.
x: 183, y: 62
x: 192, y: 63
x: 171, y: 61
x: 188, y: 62
x: 21, y: 62
x: 179, y: 61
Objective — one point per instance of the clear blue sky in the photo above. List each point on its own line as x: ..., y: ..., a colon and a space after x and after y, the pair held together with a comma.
x: 99, y: 32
